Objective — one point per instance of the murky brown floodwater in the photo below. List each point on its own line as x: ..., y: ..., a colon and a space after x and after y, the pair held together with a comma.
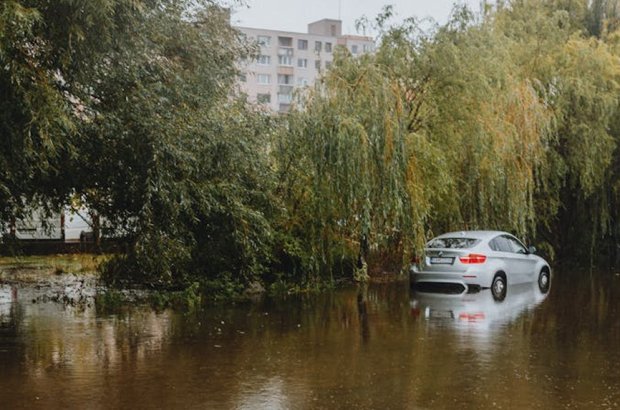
x: 380, y: 347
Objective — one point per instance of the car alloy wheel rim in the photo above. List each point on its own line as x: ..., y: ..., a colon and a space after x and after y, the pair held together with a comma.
x: 499, y: 286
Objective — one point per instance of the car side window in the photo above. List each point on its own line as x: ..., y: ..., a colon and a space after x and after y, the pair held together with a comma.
x: 493, y: 245
x: 500, y: 244
x: 515, y: 246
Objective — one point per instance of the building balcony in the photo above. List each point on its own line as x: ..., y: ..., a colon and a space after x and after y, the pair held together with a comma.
x: 286, y: 51
x: 286, y: 70
x: 285, y: 88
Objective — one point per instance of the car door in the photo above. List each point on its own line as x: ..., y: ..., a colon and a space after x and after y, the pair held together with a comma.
x: 523, y: 262
x: 503, y: 251
x: 512, y: 260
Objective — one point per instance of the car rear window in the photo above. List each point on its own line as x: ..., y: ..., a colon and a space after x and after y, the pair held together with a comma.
x: 453, y: 243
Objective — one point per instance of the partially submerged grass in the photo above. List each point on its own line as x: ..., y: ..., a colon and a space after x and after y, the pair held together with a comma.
x: 113, y: 300
x: 52, y: 264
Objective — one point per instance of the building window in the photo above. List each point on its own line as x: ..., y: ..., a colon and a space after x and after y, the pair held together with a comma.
x: 302, y: 44
x: 302, y: 81
x: 328, y: 47
x: 354, y: 48
x: 285, y: 98
x: 285, y: 60
x: 285, y: 79
x: 302, y: 62
x: 263, y: 60
x: 243, y: 78
x: 317, y: 64
x: 328, y: 64
x: 264, y: 41
x: 317, y: 46
x: 366, y: 48
x: 263, y: 98
x: 263, y: 78
x: 285, y: 51
x: 285, y: 41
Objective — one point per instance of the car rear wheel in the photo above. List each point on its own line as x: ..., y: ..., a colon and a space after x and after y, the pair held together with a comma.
x: 498, y: 287
x: 544, y: 280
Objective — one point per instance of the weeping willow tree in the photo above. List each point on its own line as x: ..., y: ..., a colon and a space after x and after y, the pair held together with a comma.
x: 491, y: 125
x: 431, y: 133
x: 576, y: 75
x: 365, y: 178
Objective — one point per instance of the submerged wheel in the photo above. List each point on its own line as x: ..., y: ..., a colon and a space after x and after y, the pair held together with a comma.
x: 498, y: 287
x: 544, y: 280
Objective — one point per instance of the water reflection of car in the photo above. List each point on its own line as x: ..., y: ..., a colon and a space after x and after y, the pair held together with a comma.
x: 465, y: 261
x: 476, y: 309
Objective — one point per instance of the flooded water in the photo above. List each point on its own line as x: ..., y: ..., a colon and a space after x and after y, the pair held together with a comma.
x: 376, y: 347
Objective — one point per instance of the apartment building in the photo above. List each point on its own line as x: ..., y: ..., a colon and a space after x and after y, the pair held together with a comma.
x: 289, y: 61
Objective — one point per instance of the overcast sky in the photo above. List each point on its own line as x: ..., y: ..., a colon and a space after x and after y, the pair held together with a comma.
x: 294, y: 15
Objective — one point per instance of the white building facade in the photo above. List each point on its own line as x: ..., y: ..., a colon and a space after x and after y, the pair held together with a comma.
x: 289, y: 61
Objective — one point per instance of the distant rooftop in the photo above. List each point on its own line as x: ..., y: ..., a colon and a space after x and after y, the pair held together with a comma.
x: 324, y: 27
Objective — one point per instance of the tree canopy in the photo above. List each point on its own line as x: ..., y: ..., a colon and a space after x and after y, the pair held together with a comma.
x: 504, y: 119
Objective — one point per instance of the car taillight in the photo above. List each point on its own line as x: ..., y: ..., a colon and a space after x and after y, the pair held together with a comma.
x: 473, y: 258
x: 472, y: 317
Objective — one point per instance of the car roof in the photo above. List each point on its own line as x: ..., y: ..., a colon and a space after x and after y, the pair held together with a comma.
x: 484, y: 235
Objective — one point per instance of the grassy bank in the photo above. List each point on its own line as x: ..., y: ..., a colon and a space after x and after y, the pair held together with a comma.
x: 19, y: 267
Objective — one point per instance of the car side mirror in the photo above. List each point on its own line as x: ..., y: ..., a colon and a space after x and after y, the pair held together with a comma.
x: 531, y: 250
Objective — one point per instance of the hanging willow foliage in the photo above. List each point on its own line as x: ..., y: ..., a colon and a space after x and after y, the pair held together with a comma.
x: 364, y: 183
x: 506, y: 120
x: 401, y: 144
x: 576, y: 76
x: 493, y: 127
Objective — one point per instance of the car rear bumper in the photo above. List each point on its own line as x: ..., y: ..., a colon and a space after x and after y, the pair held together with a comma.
x: 448, y: 282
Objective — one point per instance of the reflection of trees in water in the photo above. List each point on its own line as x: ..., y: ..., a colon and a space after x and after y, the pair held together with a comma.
x: 359, y: 347
x: 10, y: 312
x: 11, y: 348
x: 582, y: 306
x: 53, y: 344
x: 574, y: 338
x: 362, y: 296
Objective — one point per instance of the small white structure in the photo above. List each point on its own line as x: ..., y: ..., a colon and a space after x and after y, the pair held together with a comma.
x: 69, y: 225
x: 39, y: 226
